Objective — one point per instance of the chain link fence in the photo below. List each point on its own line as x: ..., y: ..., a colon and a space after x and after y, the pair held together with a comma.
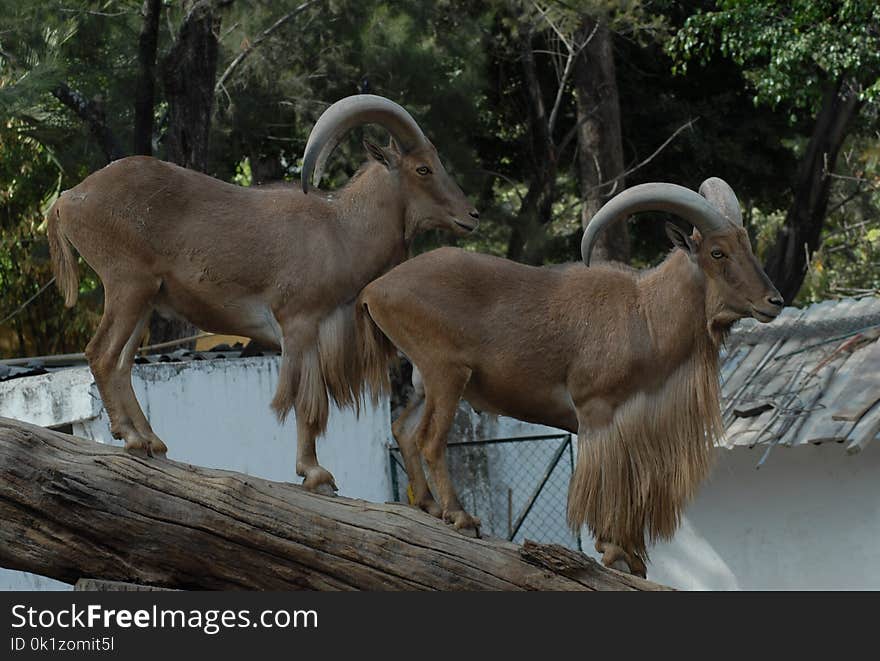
x: 517, y: 486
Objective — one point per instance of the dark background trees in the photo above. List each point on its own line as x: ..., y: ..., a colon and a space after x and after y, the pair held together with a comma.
x: 542, y: 110
x: 819, y: 61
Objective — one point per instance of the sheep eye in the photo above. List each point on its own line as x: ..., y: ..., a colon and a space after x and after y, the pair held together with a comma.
x: 717, y: 254
x: 423, y: 170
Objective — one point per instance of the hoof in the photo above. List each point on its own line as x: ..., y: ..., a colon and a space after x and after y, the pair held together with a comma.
x: 430, y: 506
x: 464, y: 523
x: 142, y: 446
x: 615, y: 557
x: 158, y: 448
x: 324, y: 489
x: 319, y: 480
x: 137, y: 446
x: 637, y: 567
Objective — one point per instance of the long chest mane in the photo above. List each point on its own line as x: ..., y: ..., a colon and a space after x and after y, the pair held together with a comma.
x: 635, y: 475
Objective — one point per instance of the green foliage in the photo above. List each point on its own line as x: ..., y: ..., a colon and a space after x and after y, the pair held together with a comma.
x: 457, y: 66
x: 29, y: 180
x: 791, y: 54
x: 789, y: 50
x: 848, y: 262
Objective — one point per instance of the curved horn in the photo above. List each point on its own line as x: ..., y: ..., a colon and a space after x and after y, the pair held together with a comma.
x: 671, y: 198
x: 722, y: 197
x: 348, y: 113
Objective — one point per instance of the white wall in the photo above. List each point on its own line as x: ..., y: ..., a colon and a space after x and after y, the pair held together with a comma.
x: 211, y: 413
x: 216, y: 413
x: 808, y: 519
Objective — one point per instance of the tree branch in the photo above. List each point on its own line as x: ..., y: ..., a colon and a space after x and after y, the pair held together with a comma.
x: 513, y: 184
x: 571, y: 133
x: 89, y: 112
x: 260, y: 39
x: 650, y: 158
x: 574, y: 51
x: 27, y: 302
x: 849, y: 198
x: 92, y: 12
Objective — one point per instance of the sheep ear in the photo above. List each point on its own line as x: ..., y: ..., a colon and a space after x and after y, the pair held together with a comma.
x: 680, y: 239
x: 387, y: 156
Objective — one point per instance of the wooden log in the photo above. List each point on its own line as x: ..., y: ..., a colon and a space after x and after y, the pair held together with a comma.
x: 71, y: 508
x: 96, y: 585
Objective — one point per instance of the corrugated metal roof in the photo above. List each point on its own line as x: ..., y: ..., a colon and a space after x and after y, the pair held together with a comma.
x: 815, y: 379
x: 45, y: 364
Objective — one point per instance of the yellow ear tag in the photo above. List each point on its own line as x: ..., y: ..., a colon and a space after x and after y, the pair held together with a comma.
x: 410, y: 496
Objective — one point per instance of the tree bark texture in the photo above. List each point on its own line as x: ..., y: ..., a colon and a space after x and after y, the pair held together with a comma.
x: 144, y: 95
x: 526, y: 243
x: 188, y: 73
x: 600, y: 145
x: 72, y: 508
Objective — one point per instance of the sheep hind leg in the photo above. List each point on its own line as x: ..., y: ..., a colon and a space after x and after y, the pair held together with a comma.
x: 403, y: 431
x: 122, y: 377
x: 443, y: 390
x: 124, y: 311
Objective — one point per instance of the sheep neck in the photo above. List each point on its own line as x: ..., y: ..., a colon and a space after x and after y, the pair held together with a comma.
x: 673, y: 299
x: 371, y: 211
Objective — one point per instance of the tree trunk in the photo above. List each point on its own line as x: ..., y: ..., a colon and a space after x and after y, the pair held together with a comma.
x: 73, y: 508
x: 188, y: 73
x: 527, y: 239
x: 164, y: 329
x: 265, y: 168
x: 144, y: 95
x: 799, y: 237
x: 600, y: 145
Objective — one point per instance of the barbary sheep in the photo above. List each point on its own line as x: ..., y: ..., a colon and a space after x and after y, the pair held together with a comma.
x: 271, y: 263
x: 628, y: 360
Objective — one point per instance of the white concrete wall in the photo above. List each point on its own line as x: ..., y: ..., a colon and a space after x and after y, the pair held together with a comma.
x: 808, y: 519
x: 211, y: 413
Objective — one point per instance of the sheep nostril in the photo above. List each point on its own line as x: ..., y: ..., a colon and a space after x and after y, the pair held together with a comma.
x: 776, y: 300
x: 474, y: 214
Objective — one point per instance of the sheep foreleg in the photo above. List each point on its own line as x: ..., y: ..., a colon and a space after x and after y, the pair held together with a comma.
x: 315, y: 477
x: 612, y: 553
